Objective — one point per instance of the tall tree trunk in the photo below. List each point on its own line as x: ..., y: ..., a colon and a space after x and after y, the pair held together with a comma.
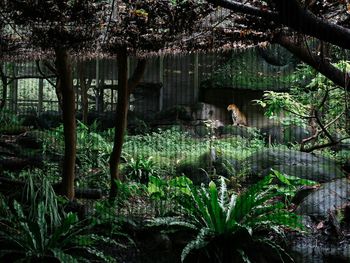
x: 120, y: 124
x: 4, y: 88
x: 64, y: 69
x: 125, y: 87
x: 84, y: 95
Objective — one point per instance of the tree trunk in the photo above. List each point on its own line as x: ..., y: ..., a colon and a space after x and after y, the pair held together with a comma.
x: 84, y: 95
x: 4, y: 88
x: 120, y: 124
x: 64, y: 69
x: 125, y: 87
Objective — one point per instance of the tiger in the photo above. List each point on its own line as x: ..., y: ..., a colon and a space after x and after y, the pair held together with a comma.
x: 238, y: 117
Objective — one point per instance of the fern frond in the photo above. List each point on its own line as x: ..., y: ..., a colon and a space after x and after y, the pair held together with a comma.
x: 171, y: 222
x: 201, y: 240
x: 223, y: 194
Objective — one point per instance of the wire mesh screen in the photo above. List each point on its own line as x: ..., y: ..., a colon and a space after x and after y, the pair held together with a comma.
x: 247, y: 143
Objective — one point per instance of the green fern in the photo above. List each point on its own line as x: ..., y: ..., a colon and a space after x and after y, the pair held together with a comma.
x: 224, y: 220
x: 32, y: 235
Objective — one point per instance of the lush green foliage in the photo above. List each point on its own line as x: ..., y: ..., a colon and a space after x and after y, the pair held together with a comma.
x: 224, y: 221
x: 39, y: 230
x: 140, y: 169
x: 9, y: 122
x: 156, y: 153
x: 171, y: 147
x: 278, y: 102
x: 165, y: 193
x: 290, y: 183
x: 309, y: 89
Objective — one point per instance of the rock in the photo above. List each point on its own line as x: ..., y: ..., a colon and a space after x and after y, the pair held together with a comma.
x: 343, y: 145
x: 226, y: 167
x: 13, y: 163
x: 17, y: 153
x: 295, y: 134
x: 205, y: 111
x: 197, y: 174
x: 136, y: 125
x: 189, y: 113
x: 243, y: 131
x: 262, y: 161
x: 173, y: 115
x: 202, y: 130
x: 272, y: 134
x: 329, y: 197
x: 28, y: 140
x: 29, y: 120
x: 49, y: 120
x: 308, y: 249
x: 196, y: 170
x: 106, y: 120
x: 278, y: 134
x: 92, y: 117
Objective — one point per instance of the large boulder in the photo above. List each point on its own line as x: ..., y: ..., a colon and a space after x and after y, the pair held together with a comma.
x: 234, y: 130
x: 206, y: 128
x: 205, y: 111
x: 311, y: 250
x: 30, y: 119
x: 329, y: 197
x: 197, y: 170
x: 344, y: 145
x: 49, y: 120
x: 19, y: 152
x: 192, y: 113
x: 301, y: 164
x: 226, y: 167
x: 173, y: 115
x: 278, y: 134
x: 193, y: 171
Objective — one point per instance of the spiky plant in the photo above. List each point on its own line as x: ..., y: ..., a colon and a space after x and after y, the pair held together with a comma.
x: 236, y: 228
x: 40, y: 232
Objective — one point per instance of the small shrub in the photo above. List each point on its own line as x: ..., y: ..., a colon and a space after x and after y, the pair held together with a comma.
x: 140, y: 169
x: 10, y: 123
x: 165, y: 192
x: 44, y: 233
x: 234, y: 227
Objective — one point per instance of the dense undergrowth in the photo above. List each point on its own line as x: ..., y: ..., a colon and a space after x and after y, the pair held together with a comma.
x: 38, y: 225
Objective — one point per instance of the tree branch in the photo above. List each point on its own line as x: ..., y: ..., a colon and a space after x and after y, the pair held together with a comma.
x: 324, y: 67
x: 42, y: 73
x: 291, y: 14
x: 246, y: 9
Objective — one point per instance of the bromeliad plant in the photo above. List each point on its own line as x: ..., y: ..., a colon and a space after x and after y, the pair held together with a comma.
x: 236, y: 228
